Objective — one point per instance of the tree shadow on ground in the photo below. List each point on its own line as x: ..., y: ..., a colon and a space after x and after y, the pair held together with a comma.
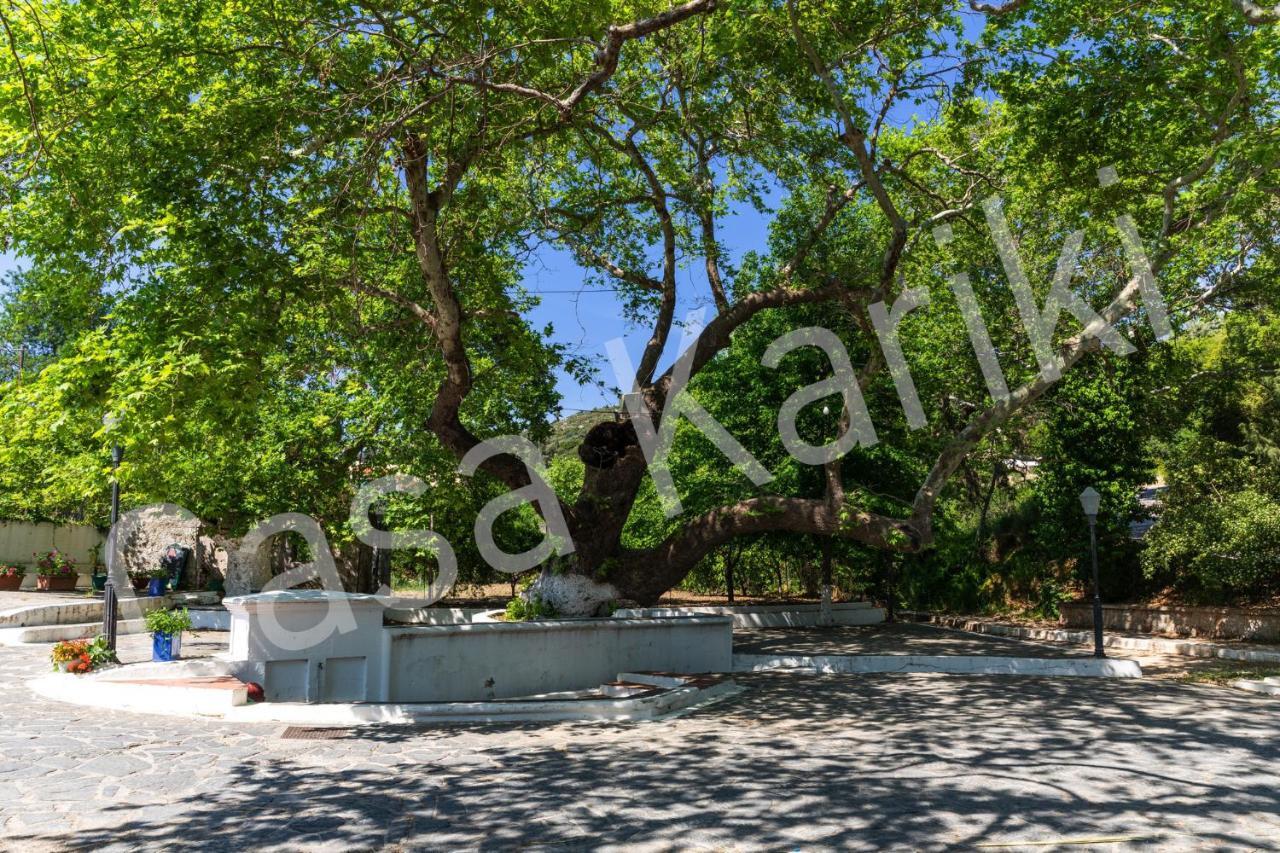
x: 926, y: 762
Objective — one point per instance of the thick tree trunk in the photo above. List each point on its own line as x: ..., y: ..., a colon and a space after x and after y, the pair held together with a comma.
x: 569, y: 593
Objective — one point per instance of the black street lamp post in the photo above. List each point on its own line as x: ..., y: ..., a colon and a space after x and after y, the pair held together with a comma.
x: 110, y: 603
x: 1089, y: 500
x: 381, y: 556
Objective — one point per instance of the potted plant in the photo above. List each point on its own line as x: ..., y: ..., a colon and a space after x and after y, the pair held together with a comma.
x: 166, y: 627
x: 157, y: 580
x: 11, y: 576
x: 140, y: 579
x: 81, y: 656
x: 55, y: 572
x: 98, y: 577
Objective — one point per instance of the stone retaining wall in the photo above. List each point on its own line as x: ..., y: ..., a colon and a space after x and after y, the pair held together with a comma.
x: 1218, y: 623
x: 770, y: 615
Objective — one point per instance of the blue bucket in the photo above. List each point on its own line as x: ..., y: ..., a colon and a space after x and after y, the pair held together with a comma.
x: 165, y: 647
x: 155, y: 587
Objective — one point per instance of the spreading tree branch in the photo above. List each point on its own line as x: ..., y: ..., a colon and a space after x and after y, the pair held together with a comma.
x: 1258, y: 15
x: 997, y: 8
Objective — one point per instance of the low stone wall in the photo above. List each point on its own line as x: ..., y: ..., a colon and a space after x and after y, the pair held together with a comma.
x: 64, y: 612
x: 771, y: 615
x: 1219, y: 623
x: 501, y: 660
x: 451, y: 662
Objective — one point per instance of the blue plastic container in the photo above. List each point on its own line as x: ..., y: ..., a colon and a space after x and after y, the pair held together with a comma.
x: 165, y: 647
x: 155, y: 587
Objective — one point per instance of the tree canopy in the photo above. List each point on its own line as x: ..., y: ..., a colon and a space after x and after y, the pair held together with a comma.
x: 270, y: 237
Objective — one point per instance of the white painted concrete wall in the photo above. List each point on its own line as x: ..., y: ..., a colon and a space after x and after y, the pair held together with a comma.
x: 771, y: 615
x: 452, y: 662
x: 282, y: 641
x: 434, y: 615
x: 19, y: 540
x: 500, y: 660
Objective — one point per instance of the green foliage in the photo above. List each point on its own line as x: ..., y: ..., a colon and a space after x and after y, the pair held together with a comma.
x: 168, y: 621
x: 208, y: 199
x: 1093, y: 435
x: 82, y: 656
x: 528, y: 609
x: 1218, y: 536
x: 53, y: 564
x: 1225, y: 550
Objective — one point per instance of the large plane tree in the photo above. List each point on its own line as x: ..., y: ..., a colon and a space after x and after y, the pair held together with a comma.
x: 221, y: 163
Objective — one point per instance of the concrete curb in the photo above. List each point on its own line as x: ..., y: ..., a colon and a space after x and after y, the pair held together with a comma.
x: 1160, y: 645
x: 1267, y: 686
x: 948, y: 664
x: 126, y: 689
x: 539, y: 710
x: 120, y: 695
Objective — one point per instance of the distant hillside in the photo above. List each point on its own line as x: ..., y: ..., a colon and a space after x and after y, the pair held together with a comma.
x: 567, y: 433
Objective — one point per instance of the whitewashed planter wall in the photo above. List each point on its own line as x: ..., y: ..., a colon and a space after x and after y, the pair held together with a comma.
x: 454, y: 663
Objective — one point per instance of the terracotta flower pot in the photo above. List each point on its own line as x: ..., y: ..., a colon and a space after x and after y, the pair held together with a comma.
x: 10, y: 583
x: 56, y: 583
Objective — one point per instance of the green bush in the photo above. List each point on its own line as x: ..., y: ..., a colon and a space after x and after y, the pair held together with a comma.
x: 168, y: 621
x: 522, y: 610
x: 1221, y: 549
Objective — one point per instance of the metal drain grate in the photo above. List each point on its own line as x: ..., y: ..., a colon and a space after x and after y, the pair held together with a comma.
x: 314, y: 733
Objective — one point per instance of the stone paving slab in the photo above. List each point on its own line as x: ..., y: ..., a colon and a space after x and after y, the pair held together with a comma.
x: 868, y: 762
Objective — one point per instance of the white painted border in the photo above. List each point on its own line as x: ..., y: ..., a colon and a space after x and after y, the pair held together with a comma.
x: 1160, y: 645
x: 952, y: 664
x: 96, y: 691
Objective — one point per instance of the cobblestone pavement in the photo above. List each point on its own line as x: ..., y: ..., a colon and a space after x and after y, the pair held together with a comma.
x: 795, y: 762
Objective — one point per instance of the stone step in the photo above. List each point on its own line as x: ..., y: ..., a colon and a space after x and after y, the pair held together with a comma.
x: 653, y: 704
x: 167, y: 670
x: 621, y: 689
x: 69, y: 612
x: 83, y: 611
x: 58, y: 633
x: 211, y: 695
x: 1267, y: 687
x: 667, y: 681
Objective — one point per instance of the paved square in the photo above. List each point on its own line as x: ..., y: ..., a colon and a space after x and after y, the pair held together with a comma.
x: 797, y: 761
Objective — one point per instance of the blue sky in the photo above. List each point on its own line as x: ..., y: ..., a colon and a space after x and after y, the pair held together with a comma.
x: 585, y: 318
